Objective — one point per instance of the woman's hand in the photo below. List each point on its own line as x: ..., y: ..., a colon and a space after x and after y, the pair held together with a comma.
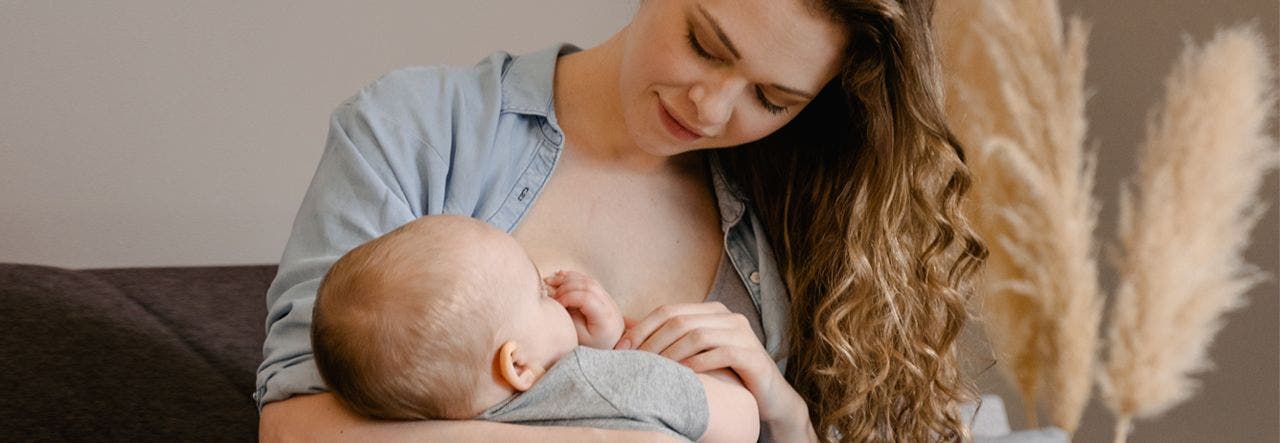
x: 707, y: 336
x: 595, y: 315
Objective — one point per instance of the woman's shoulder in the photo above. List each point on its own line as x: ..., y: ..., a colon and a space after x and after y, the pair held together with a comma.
x: 432, y: 101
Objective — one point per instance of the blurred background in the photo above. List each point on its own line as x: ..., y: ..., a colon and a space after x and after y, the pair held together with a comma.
x: 153, y: 133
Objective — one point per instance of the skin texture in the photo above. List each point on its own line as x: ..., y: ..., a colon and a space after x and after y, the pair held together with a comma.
x: 607, y: 100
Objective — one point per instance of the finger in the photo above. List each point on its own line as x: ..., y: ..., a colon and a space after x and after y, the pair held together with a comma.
x: 697, y: 341
x: 556, y: 278
x: 754, y: 368
x: 640, y: 331
x: 577, y: 284
x: 678, y: 327
x: 721, y: 357
x: 570, y: 274
x: 588, y: 303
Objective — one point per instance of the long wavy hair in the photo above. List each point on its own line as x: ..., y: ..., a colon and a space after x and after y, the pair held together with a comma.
x: 861, y: 197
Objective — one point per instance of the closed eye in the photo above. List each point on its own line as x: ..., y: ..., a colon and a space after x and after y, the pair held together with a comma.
x: 702, y: 52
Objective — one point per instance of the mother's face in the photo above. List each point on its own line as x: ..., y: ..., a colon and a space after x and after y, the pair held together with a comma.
x: 732, y: 71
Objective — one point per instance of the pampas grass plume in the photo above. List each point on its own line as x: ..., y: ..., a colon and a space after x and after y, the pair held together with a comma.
x: 1184, y: 230
x: 1015, y: 98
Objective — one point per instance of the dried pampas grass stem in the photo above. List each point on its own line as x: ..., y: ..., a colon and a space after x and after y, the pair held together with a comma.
x: 1015, y: 98
x: 1184, y: 230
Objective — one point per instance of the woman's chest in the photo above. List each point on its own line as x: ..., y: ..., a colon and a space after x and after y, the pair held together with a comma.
x: 649, y: 241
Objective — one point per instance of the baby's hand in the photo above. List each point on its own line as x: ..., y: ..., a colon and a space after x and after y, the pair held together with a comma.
x: 594, y: 313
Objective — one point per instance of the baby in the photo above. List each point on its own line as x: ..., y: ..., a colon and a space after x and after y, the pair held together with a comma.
x: 447, y: 317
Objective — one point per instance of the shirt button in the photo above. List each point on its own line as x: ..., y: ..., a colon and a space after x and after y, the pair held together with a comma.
x: 755, y: 277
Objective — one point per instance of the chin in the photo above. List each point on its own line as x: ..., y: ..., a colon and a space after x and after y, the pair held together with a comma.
x: 665, y: 150
x: 649, y: 135
x: 659, y: 145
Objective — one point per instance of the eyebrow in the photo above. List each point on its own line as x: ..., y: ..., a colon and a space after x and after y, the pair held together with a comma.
x: 724, y: 39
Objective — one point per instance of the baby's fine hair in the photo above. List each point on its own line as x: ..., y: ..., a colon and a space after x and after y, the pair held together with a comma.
x: 399, y: 331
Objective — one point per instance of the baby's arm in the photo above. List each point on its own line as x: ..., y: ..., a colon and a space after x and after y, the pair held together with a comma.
x: 595, y: 315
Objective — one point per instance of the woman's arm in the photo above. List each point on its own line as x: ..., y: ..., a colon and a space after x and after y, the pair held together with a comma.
x: 320, y: 417
x: 734, y: 416
x: 797, y: 427
x: 706, y: 337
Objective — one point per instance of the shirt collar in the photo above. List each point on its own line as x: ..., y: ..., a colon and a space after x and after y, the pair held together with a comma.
x: 729, y: 197
x: 527, y: 82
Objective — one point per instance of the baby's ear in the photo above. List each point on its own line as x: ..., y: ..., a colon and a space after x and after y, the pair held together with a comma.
x: 516, y: 368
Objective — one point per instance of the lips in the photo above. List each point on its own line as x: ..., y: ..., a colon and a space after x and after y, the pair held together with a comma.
x: 677, y: 129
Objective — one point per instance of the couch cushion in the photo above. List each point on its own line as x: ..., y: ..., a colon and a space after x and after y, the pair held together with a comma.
x: 218, y: 311
x: 130, y: 354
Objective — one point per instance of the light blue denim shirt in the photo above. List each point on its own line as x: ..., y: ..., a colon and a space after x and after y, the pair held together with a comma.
x: 479, y: 141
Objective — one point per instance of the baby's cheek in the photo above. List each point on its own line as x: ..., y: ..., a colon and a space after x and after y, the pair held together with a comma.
x: 565, y: 330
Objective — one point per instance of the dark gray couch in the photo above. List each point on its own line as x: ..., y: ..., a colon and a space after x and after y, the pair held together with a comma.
x: 168, y: 354
x: 150, y: 354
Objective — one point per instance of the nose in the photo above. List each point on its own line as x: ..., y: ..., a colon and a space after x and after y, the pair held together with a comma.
x: 714, y: 100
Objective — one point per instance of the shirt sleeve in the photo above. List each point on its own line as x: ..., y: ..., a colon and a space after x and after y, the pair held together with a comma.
x: 649, y: 388
x: 612, y: 390
x: 373, y: 176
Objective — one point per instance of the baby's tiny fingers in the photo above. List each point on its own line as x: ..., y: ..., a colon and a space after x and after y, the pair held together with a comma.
x: 554, y: 279
x: 573, y: 299
x: 571, y: 274
x: 578, y: 277
x: 576, y: 285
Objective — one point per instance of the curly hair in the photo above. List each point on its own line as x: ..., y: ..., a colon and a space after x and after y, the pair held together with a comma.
x: 861, y: 196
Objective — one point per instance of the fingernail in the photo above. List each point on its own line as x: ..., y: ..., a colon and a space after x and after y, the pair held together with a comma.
x: 623, y: 345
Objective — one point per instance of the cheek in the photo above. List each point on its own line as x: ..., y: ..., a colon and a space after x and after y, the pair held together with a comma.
x: 563, y: 321
x: 658, y: 60
x: 747, y: 126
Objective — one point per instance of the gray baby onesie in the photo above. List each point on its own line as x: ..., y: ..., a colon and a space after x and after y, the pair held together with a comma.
x: 632, y: 390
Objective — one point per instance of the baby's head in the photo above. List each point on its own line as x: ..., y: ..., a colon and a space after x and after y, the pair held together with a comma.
x: 438, y: 319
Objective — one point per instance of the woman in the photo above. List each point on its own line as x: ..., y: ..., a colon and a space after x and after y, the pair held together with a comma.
x: 605, y: 160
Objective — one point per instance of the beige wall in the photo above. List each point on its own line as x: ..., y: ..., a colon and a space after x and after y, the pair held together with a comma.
x: 158, y: 133
x: 150, y: 132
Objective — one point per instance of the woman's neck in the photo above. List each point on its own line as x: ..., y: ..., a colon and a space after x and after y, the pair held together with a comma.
x: 588, y: 107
